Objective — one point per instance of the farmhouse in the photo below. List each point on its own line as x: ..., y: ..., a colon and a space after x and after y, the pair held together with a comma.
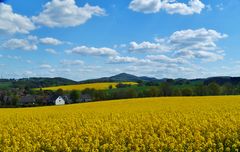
x: 59, y: 101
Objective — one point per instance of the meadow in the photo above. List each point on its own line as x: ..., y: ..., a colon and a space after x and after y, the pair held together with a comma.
x: 97, y: 86
x: 147, y: 124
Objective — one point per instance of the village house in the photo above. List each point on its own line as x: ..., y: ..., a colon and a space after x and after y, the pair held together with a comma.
x: 21, y: 99
x: 59, y: 101
x: 7, y: 100
x: 27, y: 100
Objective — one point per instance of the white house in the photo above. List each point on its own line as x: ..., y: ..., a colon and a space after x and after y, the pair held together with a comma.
x: 60, y: 101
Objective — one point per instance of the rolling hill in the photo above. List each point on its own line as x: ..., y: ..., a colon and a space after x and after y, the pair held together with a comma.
x: 123, y: 77
x: 34, y: 82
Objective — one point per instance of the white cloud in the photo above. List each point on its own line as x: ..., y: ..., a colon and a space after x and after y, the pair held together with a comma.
x: 200, y: 39
x: 72, y: 62
x: 200, y: 43
x: 166, y: 59
x: 194, y: 6
x: 146, y: 6
x: 30, y: 43
x: 170, y: 6
x: 22, y: 44
x: 45, y: 66
x: 51, y: 51
x: 65, y: 13
x: 84, y: 50
x: 148, y: 47
x: 183, y: 50
x: 184, y: 53
x: 208, y: 56
x: 126, y: 59
x: 32, y: 38
x: 11, y: 22
x: 119, y: 59
x: 50, y: 41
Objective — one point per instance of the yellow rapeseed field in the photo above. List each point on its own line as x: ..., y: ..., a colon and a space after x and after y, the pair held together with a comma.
x: 151, y: 124
x: 97, y: 86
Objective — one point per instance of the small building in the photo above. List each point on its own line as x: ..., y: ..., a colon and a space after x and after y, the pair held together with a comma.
x: 85, y: 98
x: 67, y: 99
x: 59, y: 101
x: 7, y: 100
x: 27, y: 100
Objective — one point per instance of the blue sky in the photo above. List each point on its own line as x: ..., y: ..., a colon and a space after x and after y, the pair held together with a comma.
x: 85, y: 39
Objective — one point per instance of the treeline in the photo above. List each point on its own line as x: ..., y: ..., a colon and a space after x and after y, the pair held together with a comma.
x: 166, y: 89
x: 34, y: 82
x: 29, y: 97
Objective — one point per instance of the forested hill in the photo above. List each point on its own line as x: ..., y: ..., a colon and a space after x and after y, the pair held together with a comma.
x: 34, y: 82
x: 123, y: 77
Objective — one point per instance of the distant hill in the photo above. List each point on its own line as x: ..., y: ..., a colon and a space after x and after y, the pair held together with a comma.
x: 223, y: 80
x: 34, y: 82
x: 122, y: 77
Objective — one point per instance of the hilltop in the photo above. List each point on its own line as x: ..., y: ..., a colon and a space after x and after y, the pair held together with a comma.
x: 122, y: 77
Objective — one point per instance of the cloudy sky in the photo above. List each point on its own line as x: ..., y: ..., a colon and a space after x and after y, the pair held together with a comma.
x: 82, y: 39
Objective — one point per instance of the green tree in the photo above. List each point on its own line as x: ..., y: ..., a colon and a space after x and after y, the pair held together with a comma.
x: 131, y: 93
x: 89, y: 91
x: 15, y: 100
x: 187, y: 92
x: 201, y: 90
x: 176, y: 92
x: 74, y: 95
x: 154, y: 91
x: 100, y: 95
x: 59, y: 92
x: 214, y: 89
x: 124, y: 93
x: 166, y: 88
x: 228, y: 89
